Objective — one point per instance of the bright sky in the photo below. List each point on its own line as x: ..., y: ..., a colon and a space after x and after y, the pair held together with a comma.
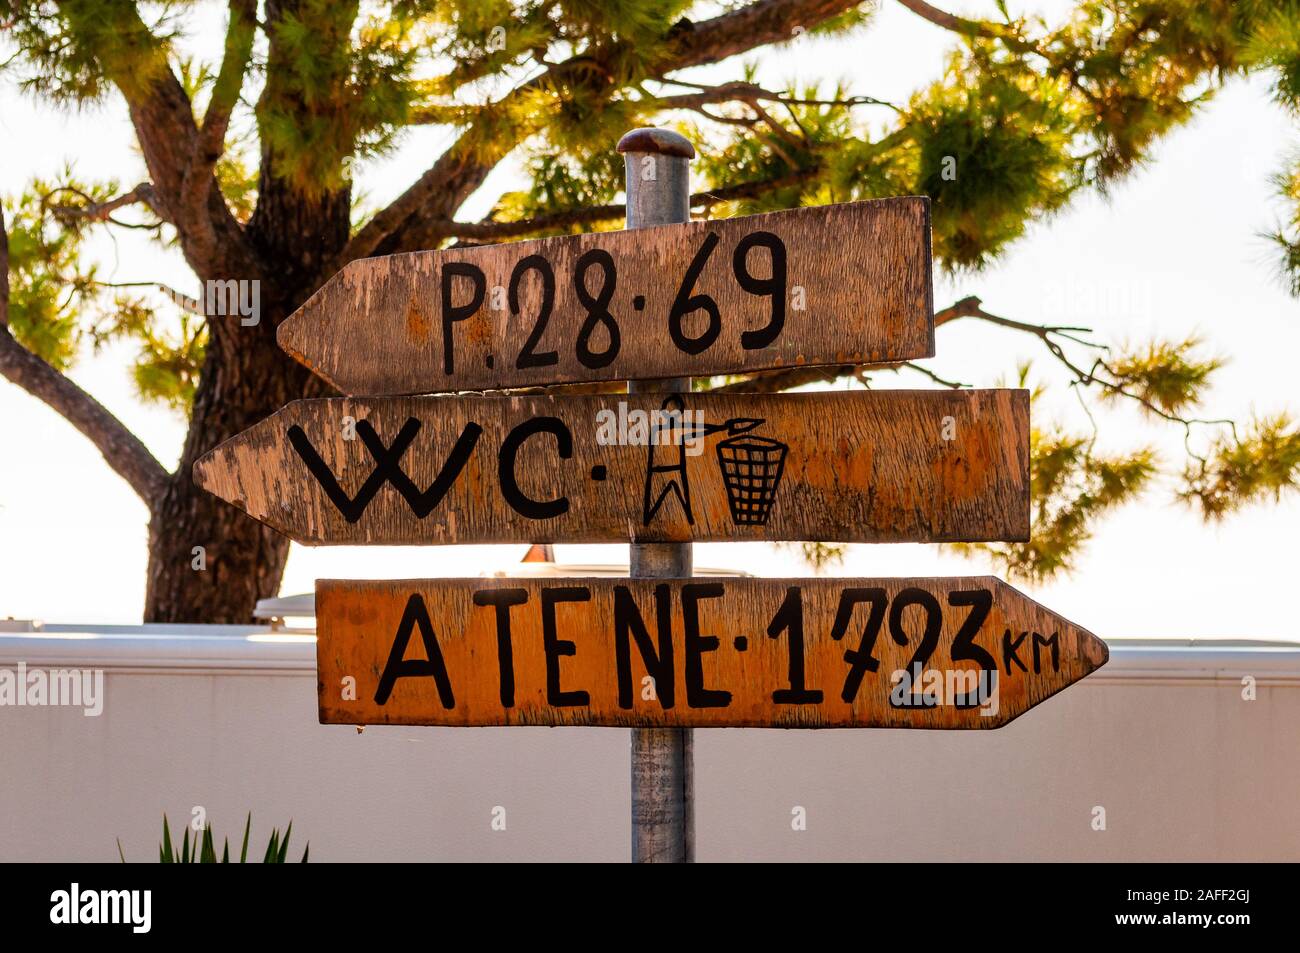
x: 1174, y: 250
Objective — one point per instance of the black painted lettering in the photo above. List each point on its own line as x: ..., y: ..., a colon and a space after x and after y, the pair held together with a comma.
x: 772, y: 286
x: 557, y: 648
x: 658, y: 660
x: 686, y: 303
x: 697, y: 696
x: 1052, y: 642
x: 387, y: 468
x: 398, y: 666
x: 963, y: 644
x: 933, y: 624
x: 386, y: 459
x: 503, y: 600
x: 424, y: 502
x: 597, y: 308
x: 523, y: 504
x: 789, y: 619
x: 451, y: 313
x: 1009, y: 649
x: 861, y: 660
x: 529, y: 356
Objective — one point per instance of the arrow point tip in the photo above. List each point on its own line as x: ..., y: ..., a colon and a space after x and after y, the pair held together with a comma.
x: 199, y: 471
x: 286, y: 335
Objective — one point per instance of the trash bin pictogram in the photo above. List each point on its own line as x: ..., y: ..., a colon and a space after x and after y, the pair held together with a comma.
x: 751, y: 472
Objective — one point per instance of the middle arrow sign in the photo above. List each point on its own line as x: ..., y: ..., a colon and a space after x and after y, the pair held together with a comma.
x: 857, y: 466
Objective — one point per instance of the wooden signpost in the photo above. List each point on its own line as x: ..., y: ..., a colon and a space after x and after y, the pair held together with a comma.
x: 865, y: 466
x: 659, y: 467
x: 838, y: 284
x: 775, y: 653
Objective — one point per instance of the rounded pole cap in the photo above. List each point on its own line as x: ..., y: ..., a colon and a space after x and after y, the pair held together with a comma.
x: 655, y: 141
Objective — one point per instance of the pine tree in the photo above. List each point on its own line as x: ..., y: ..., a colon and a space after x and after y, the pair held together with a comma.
x: 249, y: 163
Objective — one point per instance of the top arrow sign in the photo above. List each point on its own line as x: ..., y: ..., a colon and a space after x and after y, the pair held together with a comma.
x: 838, y: 284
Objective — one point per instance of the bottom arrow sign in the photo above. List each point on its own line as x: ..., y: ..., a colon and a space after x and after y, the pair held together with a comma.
x: 965, y: 652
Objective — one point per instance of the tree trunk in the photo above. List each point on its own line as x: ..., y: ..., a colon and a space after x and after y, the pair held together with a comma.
x: 242, y: 561
x: 246, y: 377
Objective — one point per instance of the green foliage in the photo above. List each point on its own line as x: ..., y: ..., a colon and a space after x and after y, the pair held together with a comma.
x: 1137, y: 69
x: 167, y: 366
x: 1263, y: 464
x: 58, y: 304
x: 481, y: 38
x: 56, y: 294
x: 561, y: 183
x: 75, y: 51
x: 1072, y: 487
x: 823, y: 555
x: 796, y: 145
x: 1141, y: 68
x: 1025, y: 113
x: 1166, y: 377
x: 847, y: 22
x: 335, y: 89
x: 1273, y: 44
x: 586, y: 126
x: 202, y: 850
x: 991, y: 146
x: 1286, y: 237
x: 644, y: 22
x: 237, y: 180
x: 50, y: 281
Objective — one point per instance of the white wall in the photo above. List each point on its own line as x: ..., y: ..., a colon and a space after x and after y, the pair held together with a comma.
x: 1161, y: 738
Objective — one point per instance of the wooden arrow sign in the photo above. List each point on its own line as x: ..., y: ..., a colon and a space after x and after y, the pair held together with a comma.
x: 837, y: 284
x: 779, y: 653
x: 857, y: 466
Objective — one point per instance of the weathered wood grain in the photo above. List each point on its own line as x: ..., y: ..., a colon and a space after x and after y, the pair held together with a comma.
x: 856, y: 466
x: 855, y: 287
x: 591, y: 651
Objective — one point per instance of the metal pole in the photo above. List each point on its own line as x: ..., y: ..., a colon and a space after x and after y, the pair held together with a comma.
x: 656, y: 166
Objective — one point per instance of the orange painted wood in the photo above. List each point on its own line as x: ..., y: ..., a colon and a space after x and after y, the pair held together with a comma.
x: 855, y: 466
x: 850, y: 284
x: 691, y: 652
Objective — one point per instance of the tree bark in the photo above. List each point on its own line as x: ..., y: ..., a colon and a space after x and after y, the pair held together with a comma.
x: 243, y: 560
x: 245, y: 379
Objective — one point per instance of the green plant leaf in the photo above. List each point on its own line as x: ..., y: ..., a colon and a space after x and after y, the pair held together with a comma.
x: 203, y: 850
x: 284, y: 845
x: 208, y: 854
x: 273, y: 848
